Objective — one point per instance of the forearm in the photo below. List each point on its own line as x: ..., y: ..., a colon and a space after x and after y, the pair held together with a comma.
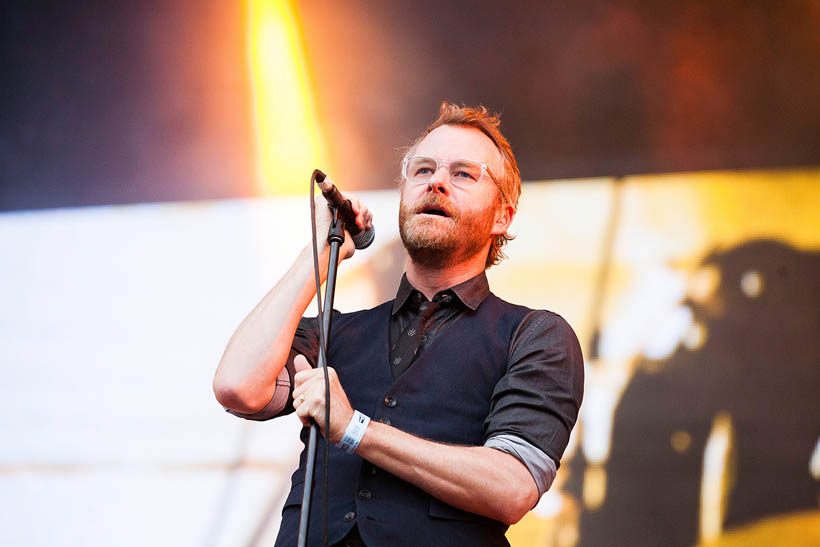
x: 477, y: 479
x: 256, y: 353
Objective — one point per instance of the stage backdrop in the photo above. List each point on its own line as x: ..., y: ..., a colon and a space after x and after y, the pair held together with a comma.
x: 696, y: 298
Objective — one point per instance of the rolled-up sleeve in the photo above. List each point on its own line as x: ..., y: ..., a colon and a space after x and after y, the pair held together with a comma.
x: 305, y: 342
x: 539, y: 396
x: 541, y: 467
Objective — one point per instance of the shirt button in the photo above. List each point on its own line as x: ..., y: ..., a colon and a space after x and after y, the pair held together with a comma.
x: 350, y: 516
x: 423, y: 337
x: 390, y: 402
x: 385, y: 421
x: 365, y: 494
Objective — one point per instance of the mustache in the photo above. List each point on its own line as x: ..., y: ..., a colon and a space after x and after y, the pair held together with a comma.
x: 437, y: 201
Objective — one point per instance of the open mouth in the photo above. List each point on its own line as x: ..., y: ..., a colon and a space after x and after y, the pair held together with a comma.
x: 433, y: 210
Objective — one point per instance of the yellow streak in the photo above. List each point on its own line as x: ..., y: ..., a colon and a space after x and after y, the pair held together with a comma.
x: 716, y: 480
x: 288, y: 144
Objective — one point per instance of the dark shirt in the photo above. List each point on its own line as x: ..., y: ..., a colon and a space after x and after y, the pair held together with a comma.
x: 541, y: 391
x: 545, y: 366
x: 455, y: 302
x: 536, y: 400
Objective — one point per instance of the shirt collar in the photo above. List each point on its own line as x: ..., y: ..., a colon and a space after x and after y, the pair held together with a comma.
x: 471, y: 292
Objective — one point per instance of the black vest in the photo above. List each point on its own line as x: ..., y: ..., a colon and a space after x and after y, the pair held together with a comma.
x: 444, y: 396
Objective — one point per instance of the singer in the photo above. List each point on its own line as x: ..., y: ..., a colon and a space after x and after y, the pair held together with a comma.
x: 450, y: 408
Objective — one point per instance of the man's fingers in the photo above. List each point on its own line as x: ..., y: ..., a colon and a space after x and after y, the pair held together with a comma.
x: 303, y: 371
x: 303, y: 415
x: 363, y: 215
x: 301, y: 363
x: 363, y: 220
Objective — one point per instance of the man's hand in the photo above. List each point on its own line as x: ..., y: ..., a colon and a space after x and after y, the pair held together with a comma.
x: 364, y: 220
x: 477, y: 479
x: 309, y: 399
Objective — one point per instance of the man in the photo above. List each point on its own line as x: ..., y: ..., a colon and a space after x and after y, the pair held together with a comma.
x: 470, y: 399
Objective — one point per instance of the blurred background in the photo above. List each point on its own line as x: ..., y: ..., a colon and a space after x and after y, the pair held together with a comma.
x: 154, y: 168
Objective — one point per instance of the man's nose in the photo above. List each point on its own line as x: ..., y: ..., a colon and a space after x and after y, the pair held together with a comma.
x: 440, y: 181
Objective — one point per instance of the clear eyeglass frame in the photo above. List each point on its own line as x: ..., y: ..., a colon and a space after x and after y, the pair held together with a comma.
x: 461, y: 182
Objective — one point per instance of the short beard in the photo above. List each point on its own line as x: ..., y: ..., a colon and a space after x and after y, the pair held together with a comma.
x: 435, y: 248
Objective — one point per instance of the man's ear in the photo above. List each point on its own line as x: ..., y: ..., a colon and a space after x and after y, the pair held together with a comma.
x: 503, y: 218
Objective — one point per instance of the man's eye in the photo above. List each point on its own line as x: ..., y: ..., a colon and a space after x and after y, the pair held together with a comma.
x: 422, y: 171
x: 464, y: 175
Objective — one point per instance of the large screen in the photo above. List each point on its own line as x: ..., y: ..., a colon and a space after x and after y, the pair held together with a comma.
x: 696, y: 298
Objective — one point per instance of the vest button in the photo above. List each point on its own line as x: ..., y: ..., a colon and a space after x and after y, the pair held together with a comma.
x: 365, y: 494
x: 385, y: 421
x: 390, y: 402
x: 349, y: 516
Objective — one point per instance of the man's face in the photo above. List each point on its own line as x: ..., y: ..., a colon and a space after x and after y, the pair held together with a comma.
x: 441, y: 223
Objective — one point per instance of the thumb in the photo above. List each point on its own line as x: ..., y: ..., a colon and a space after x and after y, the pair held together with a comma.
x: 301, y: 363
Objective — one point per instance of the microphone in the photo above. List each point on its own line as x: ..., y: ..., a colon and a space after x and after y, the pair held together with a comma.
x: 361, y: 238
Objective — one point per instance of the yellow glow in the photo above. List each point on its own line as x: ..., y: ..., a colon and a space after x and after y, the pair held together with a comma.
x: 594, y: 489
x: 288, y: 144
x: 680, y: 441
x: 797, y: 529
x: 716, y: 480
x: 737, y: 206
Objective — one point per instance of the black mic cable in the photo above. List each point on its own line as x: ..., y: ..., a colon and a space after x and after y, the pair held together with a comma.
x: 321, y: 321
x: 361, y: 239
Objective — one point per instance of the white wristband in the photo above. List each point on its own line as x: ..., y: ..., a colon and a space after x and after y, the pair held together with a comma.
x: 354, y: 432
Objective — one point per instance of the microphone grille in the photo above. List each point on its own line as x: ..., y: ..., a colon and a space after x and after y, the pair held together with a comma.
x: 363, y: 239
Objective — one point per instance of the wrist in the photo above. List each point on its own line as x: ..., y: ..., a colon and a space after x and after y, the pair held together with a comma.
x: 305, y: 264
x: 354, y: 432
x: 339, y: 425
x: 322, y: 250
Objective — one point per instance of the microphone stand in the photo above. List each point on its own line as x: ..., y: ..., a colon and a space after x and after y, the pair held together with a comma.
x: 335, y: 237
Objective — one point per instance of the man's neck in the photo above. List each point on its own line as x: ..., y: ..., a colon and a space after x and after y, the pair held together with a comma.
x: 432, y: 280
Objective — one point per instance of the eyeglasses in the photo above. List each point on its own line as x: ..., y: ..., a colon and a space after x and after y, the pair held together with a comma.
x: 420, y: 169
x: 463, y: 173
